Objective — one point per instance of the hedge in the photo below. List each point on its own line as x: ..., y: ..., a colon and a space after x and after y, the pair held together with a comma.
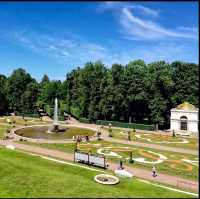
x: 121, y: 124
x: 61, y: 118
x: 84, y: 120
x: 28, y: 114
x: 127, y: 125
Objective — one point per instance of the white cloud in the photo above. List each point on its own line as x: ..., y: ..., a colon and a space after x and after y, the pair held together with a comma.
x: 117, y: 6
x: 66, y: 50
x: 137, y: 22
x: 139, y: 29
x: 76, y: 52
x: 144, y: 10
x: 72, y: 50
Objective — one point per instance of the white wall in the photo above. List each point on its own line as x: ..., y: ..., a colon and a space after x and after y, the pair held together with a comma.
x: 192, y: 120
x: 193, y: 126
x: 174, y: 125
x: 189, y: 115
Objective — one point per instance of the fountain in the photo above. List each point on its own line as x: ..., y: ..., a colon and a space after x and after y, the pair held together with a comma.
x: 106, y: 179
x: 55, y: 116
x: 55, y: 131
x: 55, y: 127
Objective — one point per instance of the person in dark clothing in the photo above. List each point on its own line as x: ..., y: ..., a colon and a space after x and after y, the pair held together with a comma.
x: 87, y: 138
x: 121, y: 164
x: 129, y: 135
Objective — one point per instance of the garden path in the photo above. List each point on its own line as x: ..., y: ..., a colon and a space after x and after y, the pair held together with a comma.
x: 137, y: 172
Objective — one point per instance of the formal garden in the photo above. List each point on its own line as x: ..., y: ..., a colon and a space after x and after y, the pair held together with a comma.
x: 173, y: 163
x: 163, y: 138
x: 182, y: 165
x: 43, y: 124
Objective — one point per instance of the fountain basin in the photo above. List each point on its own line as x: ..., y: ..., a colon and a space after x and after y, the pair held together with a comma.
x: 106, y: 179
x: 39, y: 132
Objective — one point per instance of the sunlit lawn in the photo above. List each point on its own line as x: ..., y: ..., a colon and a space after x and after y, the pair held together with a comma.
x: 173, y: 165
x: 24, y: 175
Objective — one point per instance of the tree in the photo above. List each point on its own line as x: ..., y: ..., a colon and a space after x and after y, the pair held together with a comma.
x: 29, y: 97
x: 117, y: 92
x: 186, y: 83
x: 106, y: 101
x: 96, y: 73
x: 160, y: 87
x: 136, y: 91
x: 3, y: 95
x: 45, y: 79
x: 49, y: 91
x: 17, y: 84
x: 71, y: 90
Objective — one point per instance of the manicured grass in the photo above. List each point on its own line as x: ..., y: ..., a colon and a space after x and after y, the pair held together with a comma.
x: 24, y: 175
x: 2, y: 132
x: 3, y: 129
x: 172, y: 166
x: 20, y: 121
x: 155, y: 137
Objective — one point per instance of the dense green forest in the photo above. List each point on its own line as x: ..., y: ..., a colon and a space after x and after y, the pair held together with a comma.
x: 136, y: 92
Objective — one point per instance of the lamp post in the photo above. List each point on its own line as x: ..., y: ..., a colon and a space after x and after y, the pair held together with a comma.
x: 76, y: 145
x: 110, y: 130
x: 173, y: 133
x: 129, y: 135
x: 131, y: 158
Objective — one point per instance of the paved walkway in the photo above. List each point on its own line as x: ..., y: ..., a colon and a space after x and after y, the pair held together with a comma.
x: 140, y: 173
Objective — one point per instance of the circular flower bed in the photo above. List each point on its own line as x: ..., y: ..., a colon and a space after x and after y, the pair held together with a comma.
x: 106, y: 179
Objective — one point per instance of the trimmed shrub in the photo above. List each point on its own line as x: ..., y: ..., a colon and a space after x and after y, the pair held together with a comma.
x: 27, y: 114
x: 84, y: 120
x: 61, y: 118
x: 127, y: 125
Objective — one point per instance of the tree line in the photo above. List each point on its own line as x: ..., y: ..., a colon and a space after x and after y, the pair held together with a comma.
x: 136, y: 92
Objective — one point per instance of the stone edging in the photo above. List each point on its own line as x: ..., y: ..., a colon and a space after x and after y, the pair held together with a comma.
x: 18, y: 137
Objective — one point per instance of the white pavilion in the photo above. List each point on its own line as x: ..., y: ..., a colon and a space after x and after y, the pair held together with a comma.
x: 185, y: 118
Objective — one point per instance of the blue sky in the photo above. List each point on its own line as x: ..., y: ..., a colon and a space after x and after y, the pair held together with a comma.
x: 54, y: 37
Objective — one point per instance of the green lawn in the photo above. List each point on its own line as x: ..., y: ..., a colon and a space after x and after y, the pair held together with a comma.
x: 24, y: 175
x: 172, y: 166
x: 20, y: 121
x: 3, y: 129
x: 155, y: 137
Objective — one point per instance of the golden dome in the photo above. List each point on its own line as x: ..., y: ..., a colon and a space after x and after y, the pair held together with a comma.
x: 186, y: 106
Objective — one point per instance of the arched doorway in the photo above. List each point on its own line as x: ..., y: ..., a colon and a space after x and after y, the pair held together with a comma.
x: 183, y: 124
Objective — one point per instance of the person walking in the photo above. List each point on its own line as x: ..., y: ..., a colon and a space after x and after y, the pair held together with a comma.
x: 154, y: 174
x: 121, y: 165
